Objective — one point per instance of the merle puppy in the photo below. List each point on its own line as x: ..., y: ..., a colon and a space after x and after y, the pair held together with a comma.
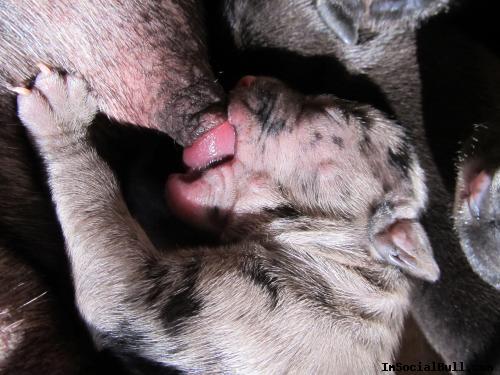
x: 318, y: 211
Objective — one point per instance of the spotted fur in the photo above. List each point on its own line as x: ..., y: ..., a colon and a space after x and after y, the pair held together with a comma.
x: 304, y: 291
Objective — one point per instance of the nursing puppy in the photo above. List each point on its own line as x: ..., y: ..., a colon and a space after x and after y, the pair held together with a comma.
x: 319, y: 210
x: 460, y: 314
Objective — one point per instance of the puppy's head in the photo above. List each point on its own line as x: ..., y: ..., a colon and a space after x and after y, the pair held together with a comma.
x: 313, y: 173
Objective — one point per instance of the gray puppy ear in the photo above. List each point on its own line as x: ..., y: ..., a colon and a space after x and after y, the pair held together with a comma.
x: 404, y: 244
x: 342, y: 20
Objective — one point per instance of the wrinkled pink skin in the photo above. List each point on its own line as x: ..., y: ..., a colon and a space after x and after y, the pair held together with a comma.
x: 214, y: 145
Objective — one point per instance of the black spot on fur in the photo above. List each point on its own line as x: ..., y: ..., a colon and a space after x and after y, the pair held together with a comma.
x: 400, y: 159
x: 338, y: 141
x: 282, y: 190
x: 146, y: 17
x: 366, y: 36
x: 365, y: 144
x: 346, y: 193
x: 184, y: 303
x: 283, y: 211
x: 373, y: 278
x: 386, y: 187
x: 157, y: 276
x: 317, y: 136
x: 263, y: 278
x: 275, y: 126
x: 125, y: 339
x: 263, y: 110
x: 323, y: 297
x: 363, y: 116
x: 342, y: 216
x: 350, y: 109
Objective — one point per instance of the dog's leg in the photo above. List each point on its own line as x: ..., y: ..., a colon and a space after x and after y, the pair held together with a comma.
x: 114, y: 264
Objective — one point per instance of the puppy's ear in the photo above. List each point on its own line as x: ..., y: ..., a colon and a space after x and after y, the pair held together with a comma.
x: 404, y: 244
x: 343, y: 19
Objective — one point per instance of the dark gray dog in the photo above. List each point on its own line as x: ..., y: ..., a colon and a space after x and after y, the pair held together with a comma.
x: 146, y: 61
x: 313, y: 278
x: 147, y: 64
x: 376, y: 41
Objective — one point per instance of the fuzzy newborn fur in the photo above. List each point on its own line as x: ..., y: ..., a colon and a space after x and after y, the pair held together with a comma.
x: 312, y: 275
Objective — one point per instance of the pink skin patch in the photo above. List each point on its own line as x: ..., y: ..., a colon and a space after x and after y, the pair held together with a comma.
x: 405, y: 245
x: 478, y: 187
x: 193, y: 196
x: 400, y: 235
x: 215, y: 145
x: 204, y: 200
x: 183, y: 198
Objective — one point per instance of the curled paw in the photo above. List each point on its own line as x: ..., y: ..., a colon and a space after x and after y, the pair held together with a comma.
x: 56, y: 104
